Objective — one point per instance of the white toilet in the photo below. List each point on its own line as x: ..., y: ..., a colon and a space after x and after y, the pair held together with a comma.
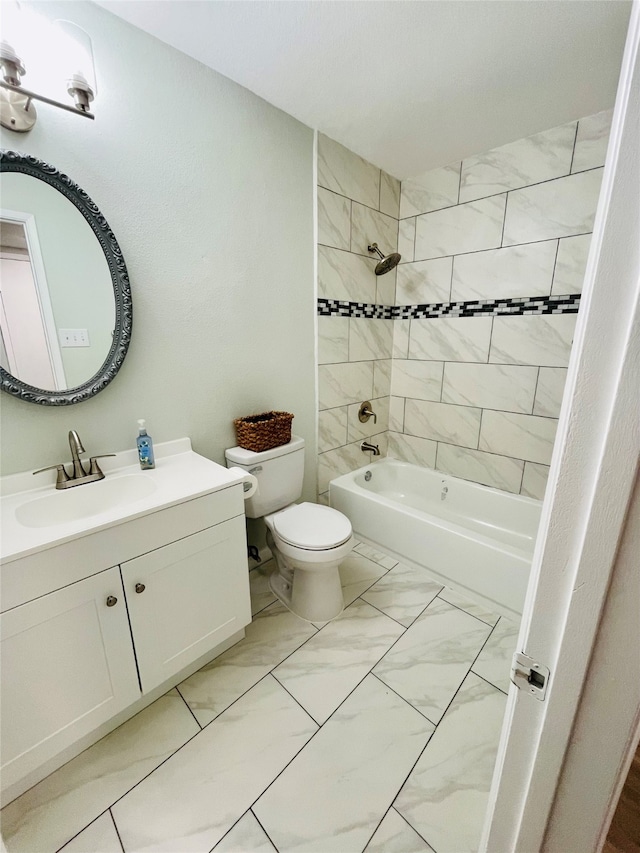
x: 308, y: 541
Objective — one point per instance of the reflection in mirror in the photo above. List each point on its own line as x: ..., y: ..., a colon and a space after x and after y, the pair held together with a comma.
x: 58, y: 311
x: 27, y: 346
x: 65, y: 300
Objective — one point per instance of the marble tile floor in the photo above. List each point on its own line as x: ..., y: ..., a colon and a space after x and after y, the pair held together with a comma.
x: 375, y: 732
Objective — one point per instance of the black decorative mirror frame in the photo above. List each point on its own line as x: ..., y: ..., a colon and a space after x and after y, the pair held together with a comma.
x: 13, y: 161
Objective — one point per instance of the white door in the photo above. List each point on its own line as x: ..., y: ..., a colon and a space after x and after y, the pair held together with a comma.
x: 30, y: 337
x: 23, y: 329
x: 560, y: 759
x: 186, y: 598
x: 67, y: 667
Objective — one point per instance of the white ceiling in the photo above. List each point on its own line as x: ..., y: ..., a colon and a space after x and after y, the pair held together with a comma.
x: 407, y: 84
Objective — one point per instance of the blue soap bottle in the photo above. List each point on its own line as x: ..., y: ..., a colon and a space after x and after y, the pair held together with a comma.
x: 145, y: 446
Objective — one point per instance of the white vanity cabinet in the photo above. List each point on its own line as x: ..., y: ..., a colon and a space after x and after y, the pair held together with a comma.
x: 97, y: 625
x: 67, y: 667
x: 186, y: 598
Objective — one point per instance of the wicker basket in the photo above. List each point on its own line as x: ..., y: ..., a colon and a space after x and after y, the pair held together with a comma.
x: 264, y: 431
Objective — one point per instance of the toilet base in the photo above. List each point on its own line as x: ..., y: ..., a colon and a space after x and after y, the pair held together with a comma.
x: 315, y: 596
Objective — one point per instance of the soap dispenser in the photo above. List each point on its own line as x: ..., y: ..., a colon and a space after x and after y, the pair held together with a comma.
x: 145, y: 446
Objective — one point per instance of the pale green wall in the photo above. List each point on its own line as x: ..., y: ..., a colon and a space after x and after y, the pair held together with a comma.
x: 209, y: 190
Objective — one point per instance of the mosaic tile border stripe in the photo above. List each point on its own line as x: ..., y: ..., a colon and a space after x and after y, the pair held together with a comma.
x: 569, y: 304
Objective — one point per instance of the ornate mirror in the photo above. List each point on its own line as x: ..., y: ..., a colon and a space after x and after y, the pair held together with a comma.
x: 65, y: 299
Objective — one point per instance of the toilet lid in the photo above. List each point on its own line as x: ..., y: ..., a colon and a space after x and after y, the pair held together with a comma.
x: 312, y: 526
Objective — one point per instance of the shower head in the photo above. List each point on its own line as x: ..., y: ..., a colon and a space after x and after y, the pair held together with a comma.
x: 387, y: 263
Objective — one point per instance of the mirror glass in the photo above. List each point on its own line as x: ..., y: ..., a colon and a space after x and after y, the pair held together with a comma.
x: 57, y: 308
x: 65, y: 299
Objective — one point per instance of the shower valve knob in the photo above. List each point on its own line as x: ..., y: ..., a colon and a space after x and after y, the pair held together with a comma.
x: 365, y: 412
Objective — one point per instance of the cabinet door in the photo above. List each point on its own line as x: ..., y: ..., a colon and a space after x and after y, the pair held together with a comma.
x: 67, y: 667
x: 186, y: 598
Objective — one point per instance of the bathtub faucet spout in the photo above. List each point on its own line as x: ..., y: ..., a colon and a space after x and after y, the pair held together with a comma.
x: 371, y: 448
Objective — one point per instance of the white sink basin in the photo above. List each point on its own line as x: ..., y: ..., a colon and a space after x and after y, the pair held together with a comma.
x: 84, y: 501
x: 34, y: 515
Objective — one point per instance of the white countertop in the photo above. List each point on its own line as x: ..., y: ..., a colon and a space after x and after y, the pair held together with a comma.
x: 179, y: 475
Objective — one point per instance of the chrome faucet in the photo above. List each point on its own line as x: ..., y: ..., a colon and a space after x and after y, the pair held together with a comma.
x: 80, y: 475
x: 371, y: 448
x: 76, y: 449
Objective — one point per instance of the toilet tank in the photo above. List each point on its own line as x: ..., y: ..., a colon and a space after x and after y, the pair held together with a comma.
x: 279, y: 472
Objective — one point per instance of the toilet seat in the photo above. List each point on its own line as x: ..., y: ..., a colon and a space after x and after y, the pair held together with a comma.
x: 312, y: 527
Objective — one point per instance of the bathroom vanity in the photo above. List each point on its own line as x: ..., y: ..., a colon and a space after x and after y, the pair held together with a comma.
x: 112, y: 593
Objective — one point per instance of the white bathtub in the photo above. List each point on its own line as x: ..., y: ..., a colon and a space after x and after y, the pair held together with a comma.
x: 472, y: 537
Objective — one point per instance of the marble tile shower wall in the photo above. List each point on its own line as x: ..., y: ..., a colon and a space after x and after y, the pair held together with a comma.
x: 476, y: 397
x: 479, y: 397
x: 357, y: 204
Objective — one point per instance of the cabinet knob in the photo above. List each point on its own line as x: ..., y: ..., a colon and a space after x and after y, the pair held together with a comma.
x: 140, y: 587
x: 111, y: 600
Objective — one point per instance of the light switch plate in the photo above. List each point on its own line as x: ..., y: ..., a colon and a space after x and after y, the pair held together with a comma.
x: 73, y: 337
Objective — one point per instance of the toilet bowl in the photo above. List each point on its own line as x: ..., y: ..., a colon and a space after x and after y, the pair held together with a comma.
x: 308, y: 541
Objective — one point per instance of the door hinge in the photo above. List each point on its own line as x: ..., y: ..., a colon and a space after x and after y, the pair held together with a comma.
x: 527, y: 674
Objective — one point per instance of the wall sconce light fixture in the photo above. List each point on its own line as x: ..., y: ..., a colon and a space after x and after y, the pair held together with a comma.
x: 60, y: 55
